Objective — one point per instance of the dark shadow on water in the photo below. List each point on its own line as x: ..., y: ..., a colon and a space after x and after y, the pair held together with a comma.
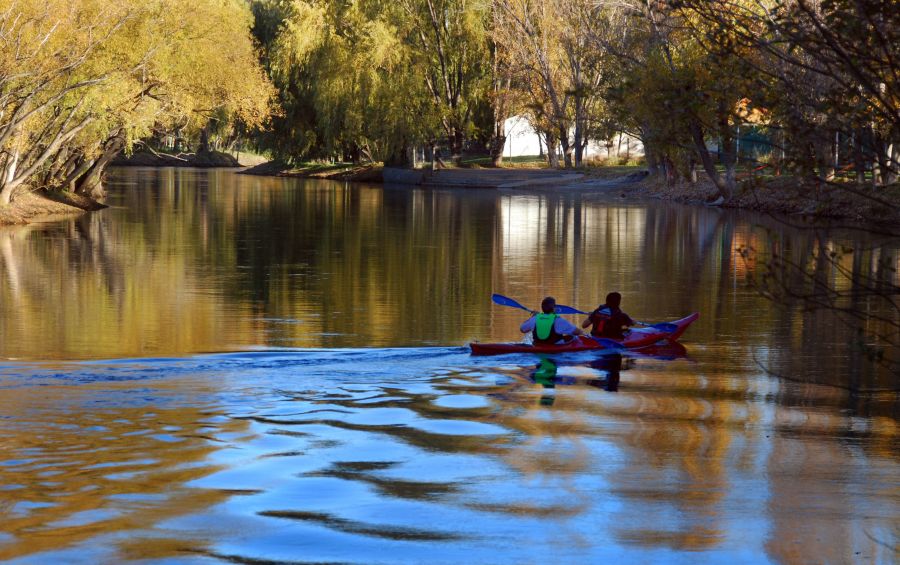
x: 612, y: 366
x: 362, y: 471
x: 546, y: 374
x: 362, y: 528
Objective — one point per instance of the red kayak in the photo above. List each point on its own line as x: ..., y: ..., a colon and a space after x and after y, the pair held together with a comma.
x: 636, y: 338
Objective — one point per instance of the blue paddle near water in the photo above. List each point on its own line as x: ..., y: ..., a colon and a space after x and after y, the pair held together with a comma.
x: 507, y: 301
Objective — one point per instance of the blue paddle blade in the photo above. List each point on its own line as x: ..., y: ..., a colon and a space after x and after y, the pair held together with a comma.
x: 608, y: 343
x: 507, y: 301
x: 563, y: 309
x: 664, y: 326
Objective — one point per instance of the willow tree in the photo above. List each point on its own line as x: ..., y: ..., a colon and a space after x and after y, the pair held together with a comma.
x: 343, y: 73
x: 449, y: 40
x: 83, y: 79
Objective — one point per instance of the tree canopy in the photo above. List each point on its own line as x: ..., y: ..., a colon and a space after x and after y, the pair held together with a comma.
x: 369, y: 79
x: 378, y: 80
x: 82, y: 79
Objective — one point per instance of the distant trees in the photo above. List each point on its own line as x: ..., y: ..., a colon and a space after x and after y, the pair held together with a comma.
x: 828, y: 72
x: 375, y: 79
x: 82, y: 79
x: 682, y: 75
x: 554, y: 65
x: 370, y: 80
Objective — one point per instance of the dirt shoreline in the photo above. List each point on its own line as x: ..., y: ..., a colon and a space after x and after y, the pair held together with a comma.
x: 45, y: 206
x: 785, y: 195
x: 360, y: 173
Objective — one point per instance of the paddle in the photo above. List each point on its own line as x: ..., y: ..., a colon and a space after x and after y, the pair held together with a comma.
x: 507, y: 301
x: 662, y: 326
x: 606, y: 342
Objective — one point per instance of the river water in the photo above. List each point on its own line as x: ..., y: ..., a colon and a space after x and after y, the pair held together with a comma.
x: 222, y: 368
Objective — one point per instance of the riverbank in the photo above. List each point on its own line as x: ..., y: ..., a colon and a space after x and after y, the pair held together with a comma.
x: 200, y: 160
x: 784, y: 195
x: 44, y: 206
x: 335, y: 171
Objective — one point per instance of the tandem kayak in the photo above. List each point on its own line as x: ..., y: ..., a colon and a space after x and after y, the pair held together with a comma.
x: 637, y: 338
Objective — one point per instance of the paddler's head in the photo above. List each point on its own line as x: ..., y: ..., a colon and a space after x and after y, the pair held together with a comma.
x: 613, y: 299
x: 548, y: 305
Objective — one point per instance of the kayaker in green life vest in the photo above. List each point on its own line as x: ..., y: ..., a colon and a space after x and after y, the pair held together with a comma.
x: 547, y: 327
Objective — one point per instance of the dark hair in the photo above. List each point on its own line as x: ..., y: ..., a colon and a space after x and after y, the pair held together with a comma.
x: 548, y: 305
x: 613, y: 299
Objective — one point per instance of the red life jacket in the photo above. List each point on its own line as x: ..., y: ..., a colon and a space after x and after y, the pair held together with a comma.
x: 608, y: 322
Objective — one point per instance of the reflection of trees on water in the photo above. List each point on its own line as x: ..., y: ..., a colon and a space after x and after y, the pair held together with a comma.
x: 198, y: 261
x: 844, y: 290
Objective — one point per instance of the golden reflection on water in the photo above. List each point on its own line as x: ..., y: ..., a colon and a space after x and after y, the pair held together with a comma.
x: 71, y: 473
x: 683, y: 454
x: 191, y: 261
x: 685, y: 442
x: 682, y: 458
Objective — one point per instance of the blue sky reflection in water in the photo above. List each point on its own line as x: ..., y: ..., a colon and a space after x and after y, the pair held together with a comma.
x: 355, y: 450
x: 363, y: 456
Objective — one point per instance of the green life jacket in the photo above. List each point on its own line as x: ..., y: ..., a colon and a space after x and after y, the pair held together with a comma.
x: 543, y: 326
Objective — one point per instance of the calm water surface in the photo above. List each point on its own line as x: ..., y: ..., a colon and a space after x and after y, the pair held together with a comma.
x: 236, y: 369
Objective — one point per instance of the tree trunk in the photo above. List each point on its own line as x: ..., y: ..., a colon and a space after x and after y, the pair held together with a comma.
x: 889, y: 165
x: 728, y: 152
x: 91, y: 184
x: 498, y: 143
x: 579, y: 131
x: 653, y: 168
x: 355, y: 154
x: 78, y: 169
x: 7, y: 176
x: 552, y: 154
x: 882, y: 169
x: 399, y: 157
x: 456, y: 147
x: 204, y: 140
x: 669, y: 168
x: 567, y: 149
x: 708, y: 164
x: 859, y: 162
x: 825, y: 155
x: 58, y: 164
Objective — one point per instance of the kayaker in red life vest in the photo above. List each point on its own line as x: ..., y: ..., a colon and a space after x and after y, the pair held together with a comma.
x: 608, y: 319
x: 547, y: 327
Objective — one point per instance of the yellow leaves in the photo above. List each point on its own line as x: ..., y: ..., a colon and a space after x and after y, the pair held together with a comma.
x: 74, y: 73
x: 299, y: 37
x: 383, y: 46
